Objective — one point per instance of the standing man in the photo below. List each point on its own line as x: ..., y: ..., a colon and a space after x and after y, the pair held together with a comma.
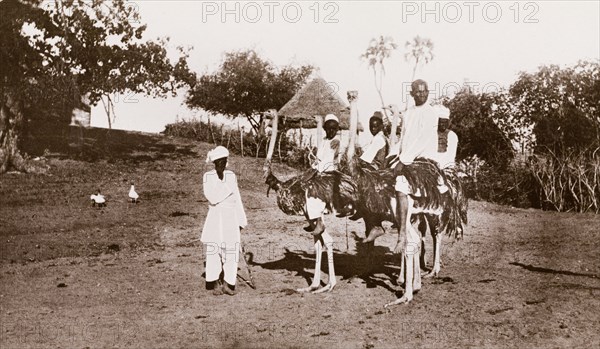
x: 225, y: 219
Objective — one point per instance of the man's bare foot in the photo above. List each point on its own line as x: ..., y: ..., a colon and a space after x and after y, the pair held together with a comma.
x: 374, y: 234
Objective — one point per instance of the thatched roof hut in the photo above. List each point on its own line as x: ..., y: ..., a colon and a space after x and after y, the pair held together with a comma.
x: 317, y: 97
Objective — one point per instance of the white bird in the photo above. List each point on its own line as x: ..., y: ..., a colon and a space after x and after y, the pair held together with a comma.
x: 98, y: 199
x: 133, y: 196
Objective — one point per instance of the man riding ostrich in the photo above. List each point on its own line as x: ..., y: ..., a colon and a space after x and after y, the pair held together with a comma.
x: 443, y: 152
x: 378, y: 202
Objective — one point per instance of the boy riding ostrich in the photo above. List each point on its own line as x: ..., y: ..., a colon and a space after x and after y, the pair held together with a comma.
x: 319, y: 190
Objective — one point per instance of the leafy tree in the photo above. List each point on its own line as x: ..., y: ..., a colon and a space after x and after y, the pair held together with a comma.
x: 478, y: 133
x: 516, y: 129
x: 562, y: 104
x: 51, y: 56
x: 247, y: 85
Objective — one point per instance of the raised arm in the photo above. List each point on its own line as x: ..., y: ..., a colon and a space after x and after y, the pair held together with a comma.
x: 215, y: 191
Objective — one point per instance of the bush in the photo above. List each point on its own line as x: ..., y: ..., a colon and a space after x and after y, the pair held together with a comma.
x: 569, y: 181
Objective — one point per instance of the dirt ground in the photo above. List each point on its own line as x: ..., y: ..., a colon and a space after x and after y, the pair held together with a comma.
x: 131, y: 276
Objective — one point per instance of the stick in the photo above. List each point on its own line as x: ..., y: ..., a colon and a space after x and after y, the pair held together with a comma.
x: 347, y: 246
x: 251, y: 281
x: 241, y: 137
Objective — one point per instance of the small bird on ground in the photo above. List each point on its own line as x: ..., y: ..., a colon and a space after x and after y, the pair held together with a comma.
x: 98, y: 199
x: 133, y: 195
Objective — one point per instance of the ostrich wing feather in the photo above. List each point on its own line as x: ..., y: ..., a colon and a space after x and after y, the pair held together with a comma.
x: 291, y: 197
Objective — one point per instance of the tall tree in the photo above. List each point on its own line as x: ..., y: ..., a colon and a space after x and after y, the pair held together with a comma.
x: 247, y: 85
x: 52, y: 55
x: 378, y: 51
x: 420, y: 50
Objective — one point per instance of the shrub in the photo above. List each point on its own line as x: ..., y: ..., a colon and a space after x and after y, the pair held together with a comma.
x: 568, y: 181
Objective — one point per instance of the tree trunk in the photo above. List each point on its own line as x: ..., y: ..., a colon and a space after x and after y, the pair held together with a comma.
x: 11, y: 121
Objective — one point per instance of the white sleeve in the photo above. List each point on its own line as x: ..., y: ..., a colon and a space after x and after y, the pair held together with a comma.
x: 214, y: 190
x: 450, y: 157
x: 372, y: 149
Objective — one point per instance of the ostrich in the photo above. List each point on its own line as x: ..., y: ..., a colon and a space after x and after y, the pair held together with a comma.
x: 454, y: 219
x: 377, y: 203
x: 335, y: 188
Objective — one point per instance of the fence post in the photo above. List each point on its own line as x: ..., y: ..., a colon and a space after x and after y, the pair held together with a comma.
x: 211, y: 131
x: 241, y: 137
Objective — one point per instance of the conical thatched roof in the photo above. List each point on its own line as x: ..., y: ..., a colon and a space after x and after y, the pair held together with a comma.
x: 317, y: 97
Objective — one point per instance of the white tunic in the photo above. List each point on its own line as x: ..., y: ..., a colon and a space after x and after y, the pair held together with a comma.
x: 327, y: 155
x: 447, y: 159
x: 370, y: 150
x: 419, y: 132
x: 225, y: 211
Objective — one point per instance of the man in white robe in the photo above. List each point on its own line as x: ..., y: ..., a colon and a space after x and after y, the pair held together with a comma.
x: 418, y: 139
x: 225, y: 218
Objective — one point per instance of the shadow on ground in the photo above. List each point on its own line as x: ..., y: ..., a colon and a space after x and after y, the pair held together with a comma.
x: 376, y: 266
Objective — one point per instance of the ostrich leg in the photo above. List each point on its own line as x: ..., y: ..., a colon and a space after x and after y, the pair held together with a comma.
x: 369, y: 245
x: 423, y: 231
x: 316, y: 282
x: 437, y: 244
x: 328, y: 241
x: 412, y: 263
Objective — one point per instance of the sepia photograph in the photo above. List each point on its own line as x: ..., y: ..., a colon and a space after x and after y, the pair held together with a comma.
x: 299, y: 174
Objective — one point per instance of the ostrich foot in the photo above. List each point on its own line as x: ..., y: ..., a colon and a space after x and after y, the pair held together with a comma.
x: 431, y: 274
x: 310, y: 228
x: 310, y: 288
x: 417, y: 285
x: 434, y: 272
x: 327, y: 288
x: 405, y: 299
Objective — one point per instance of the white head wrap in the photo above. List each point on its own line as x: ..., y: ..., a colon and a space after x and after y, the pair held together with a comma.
x: 442, y: 112
x: 331, y: 117
x: 217, y: 153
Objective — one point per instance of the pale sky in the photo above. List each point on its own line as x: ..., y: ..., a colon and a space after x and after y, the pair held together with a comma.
x: 486, y: 42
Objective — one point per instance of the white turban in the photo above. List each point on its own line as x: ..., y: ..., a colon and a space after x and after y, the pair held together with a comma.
x: 331, y: 117
x: 442, y: 112
x: 217, y: 153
